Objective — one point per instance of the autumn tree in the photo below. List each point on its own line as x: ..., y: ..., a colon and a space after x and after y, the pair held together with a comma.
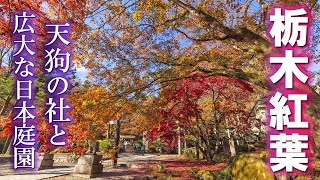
x: 204, y: 108
x: 46, y: 11
x: 137, y: 45
x: 142, y: 117
x: 139, y: 48
x: 93, y: 107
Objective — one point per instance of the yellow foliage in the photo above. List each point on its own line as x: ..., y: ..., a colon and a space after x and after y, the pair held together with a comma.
x: 250, y: 167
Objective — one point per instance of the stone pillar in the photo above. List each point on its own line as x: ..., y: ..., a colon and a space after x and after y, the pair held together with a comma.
x: 232, y: 147
x: 45, y: 161
x: 89, y: 165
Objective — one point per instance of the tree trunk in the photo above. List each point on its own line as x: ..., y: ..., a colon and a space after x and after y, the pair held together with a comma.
x: 5, y: 106
x: 117, y: 141
x: 207, y: 150
x: 209, y: 156
x: 217, y: 137
x: 9, y: 146
x: 197, y: 150
x: 108, y: 131
x: 6, y: 145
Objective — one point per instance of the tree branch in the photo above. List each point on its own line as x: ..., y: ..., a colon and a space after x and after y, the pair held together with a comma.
x: 242, y: 34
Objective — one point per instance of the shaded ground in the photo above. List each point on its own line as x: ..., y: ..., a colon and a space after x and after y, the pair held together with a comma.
x: 6, y: 173
x: 179, y: 168
x: 163, y: 166
x: 131, y: 167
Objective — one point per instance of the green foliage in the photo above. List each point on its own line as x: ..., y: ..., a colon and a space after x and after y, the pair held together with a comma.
x: 138, y: 144
x: 105, y: 145
x: 223, y: 174
x: 2, y: 143
x: 212, y: 175
x: 6, y: 84
x: 6, y: 92
x: 301, y: 178
x: 152, y: 149
x: 206, y: 175
x: 189, y: 152
x: 157, y: 146
x: 247, y: 167
x: 219, y: 158
x: 263, y: 155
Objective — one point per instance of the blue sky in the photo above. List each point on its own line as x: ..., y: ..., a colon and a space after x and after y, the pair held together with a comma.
x: 82, y: 72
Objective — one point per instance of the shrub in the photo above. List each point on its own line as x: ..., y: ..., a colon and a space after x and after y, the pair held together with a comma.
x: 223, y: 174
x: 206, y: 175
x: 249, y: 167
x: 210, y: 175
x: 189, y: 152
x: 263, y: 155
x: 104, y: 145
x: 152, y: 149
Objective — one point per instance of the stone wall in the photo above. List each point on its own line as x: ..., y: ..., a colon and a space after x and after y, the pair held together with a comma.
x: 65, y: 158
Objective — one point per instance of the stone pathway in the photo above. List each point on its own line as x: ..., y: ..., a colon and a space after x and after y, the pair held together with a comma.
x: 6, y: 173
x: 126, y: 161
